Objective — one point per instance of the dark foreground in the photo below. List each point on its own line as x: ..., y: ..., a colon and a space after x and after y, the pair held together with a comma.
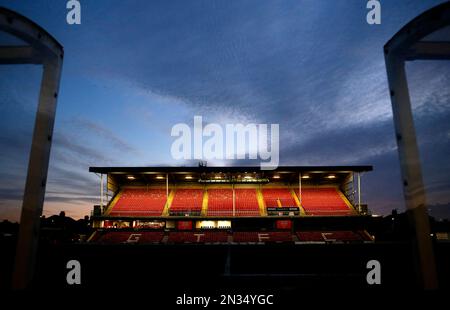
x: 166, y: 272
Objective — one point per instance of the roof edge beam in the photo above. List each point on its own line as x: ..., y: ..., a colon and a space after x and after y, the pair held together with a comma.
x: 429, y: 51
x: 10, y: 55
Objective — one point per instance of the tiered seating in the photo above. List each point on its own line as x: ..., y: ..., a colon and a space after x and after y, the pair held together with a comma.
x: 140, y: 202
x: 246, y: 202
x: 322, y: 236
x: 275, y: 196
x: 216, y: 236
x: 220, y: 202
x: 198, y: 237
x: 113, y: 237
x: 280, y: 236
x: 187, y: 201
x: 148, y: 237
x: 323, y: 201
x: 151, y: 237
x: 129, y: 237
x: 245, y: 236
x: 254, y: 236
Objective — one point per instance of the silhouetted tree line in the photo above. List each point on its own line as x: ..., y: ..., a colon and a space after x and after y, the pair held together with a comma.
x: 54, y: 229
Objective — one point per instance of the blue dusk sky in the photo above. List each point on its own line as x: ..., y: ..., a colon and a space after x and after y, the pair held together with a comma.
x: 133, y: 69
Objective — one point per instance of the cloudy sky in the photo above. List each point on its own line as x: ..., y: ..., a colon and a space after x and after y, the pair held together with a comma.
x: 133, y: 69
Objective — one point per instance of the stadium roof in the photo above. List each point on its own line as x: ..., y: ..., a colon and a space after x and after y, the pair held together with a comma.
x: 201, y: 169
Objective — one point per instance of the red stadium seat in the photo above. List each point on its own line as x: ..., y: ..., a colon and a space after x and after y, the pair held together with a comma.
x: 273, y: 196
x: 176, y: 237
x: 198, y: 237
x: 113, y: 237
x: 140, y: 202
x: 246, y: 203
x: 323, y: 201
x: 254, y: 236
x: 220, y: 202
x: 187, y: 201
x: 329, y: 236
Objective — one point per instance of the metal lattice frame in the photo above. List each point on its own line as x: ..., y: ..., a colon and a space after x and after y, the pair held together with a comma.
x: 407, y: 45
x: 41, y: 48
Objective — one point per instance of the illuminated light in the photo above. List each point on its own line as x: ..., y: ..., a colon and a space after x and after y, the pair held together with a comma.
x: 217, y: 177
x: 247, y: 177
x: 207, y: 224
x: 130, y: 177
x: 305, y: 176
x: 188, y: 177
x: 224, y: 224
x: 160, y: 177
x: 331, y: 176
x: 276, y: 176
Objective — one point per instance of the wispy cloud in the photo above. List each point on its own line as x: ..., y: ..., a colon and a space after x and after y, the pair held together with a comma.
x: 104, y: 133
x: 315, y: 68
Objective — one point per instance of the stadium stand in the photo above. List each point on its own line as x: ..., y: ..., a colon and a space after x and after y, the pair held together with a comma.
x: 246, y: 203
x: 323, y: 201
x: 150, y: 202
x: 201, y: 210
x: 140, y: 202
x: 220, y: 202
x: 187, y: 201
